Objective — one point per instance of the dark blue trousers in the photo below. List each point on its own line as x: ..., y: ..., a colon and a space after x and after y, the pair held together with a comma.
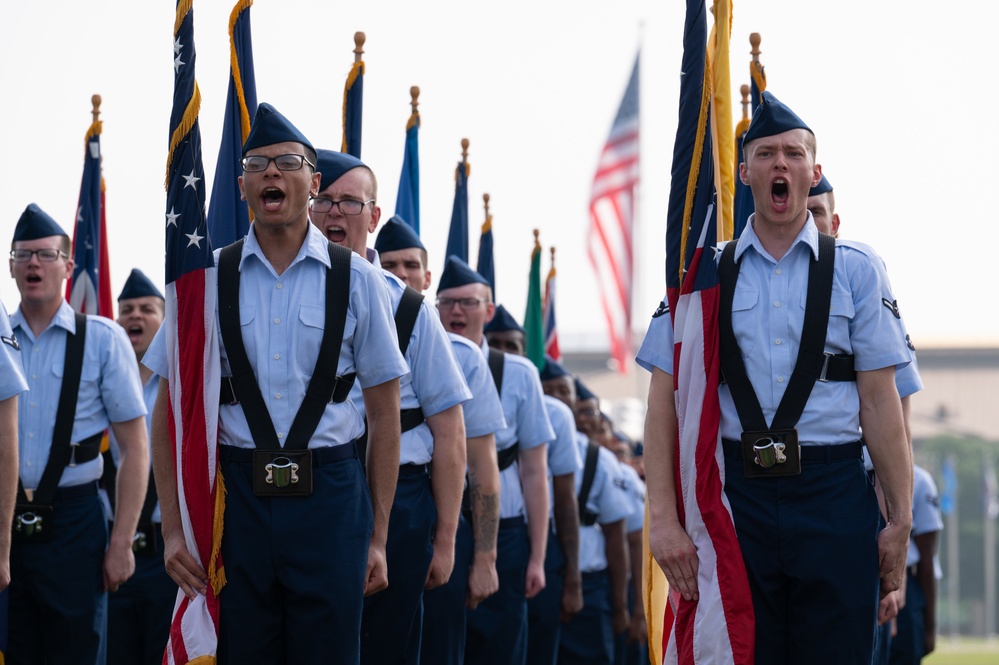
x: 908, y: 644
x: 392, y: 622
x: 544, y: 611
x: 588, y: 638
x: 58, y: 606
x: 139, y: 612
x: 295, y: 568
x: 810, y: 547
x: 625, y: 652
x: 497, y: 628
x: 444, y: 630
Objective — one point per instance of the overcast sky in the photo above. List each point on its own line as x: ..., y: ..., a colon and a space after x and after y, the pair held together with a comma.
x: 905, y: 120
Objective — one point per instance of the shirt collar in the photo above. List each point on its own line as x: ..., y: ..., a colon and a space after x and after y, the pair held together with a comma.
x: 809, y: 236
x: 65, y: 317
x: 314, y: 247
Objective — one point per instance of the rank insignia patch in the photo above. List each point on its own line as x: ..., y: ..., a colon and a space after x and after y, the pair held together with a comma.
x: 893, y: 306
x: 12, y: 341
x: 662, y: 309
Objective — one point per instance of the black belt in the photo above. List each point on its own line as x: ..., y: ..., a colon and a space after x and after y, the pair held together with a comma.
x: 408, y: 470
x: 510, y: 522
x: 324, y: 455
x: 842, y: 451
x: 76, y: 491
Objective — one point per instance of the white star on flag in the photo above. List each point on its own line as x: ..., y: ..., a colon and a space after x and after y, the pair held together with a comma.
x: 172, y: 218
x: 191, y: 181
x: 195, y: 239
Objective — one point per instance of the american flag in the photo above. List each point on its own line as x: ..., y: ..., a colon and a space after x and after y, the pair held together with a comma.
x: 612, y: 221
x: 192, y: 353
x: 89, y: 289
x: 228, y: 214
x: 353, y: 101
x: 551, y: 331
x: 718, y: 628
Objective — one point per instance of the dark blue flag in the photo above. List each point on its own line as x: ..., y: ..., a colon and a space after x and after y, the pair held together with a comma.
x: 353, y: 101
x: 457, y: 237
x: 485, y: 265
x: 228, y: 214
x: 407, y: 201
x: 744, y: 205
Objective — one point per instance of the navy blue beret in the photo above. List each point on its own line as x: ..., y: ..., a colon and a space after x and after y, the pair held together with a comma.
x: 270, y: 127
x: 333, y: 164
x: 395, y: 235
x: 582, y: 392
x: 772, y: 117
x: 552, y: 369
x: 138, y: 286
x: 458, y: 273
x: 35, y: 223
x: 503, y: 321
x: 821, y: 188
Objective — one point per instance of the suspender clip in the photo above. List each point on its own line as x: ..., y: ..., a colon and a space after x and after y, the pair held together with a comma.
x: 825, y: 367
x: 72, y: 453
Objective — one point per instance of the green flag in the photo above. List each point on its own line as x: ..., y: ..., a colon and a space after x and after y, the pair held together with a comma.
x: 534, y: 317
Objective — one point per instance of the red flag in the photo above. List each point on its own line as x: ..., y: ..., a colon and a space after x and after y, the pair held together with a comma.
x: 612, y: 220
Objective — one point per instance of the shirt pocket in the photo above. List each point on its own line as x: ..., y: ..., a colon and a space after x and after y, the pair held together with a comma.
x: 744, y: 318
x: 246, y: 318
x: 308, y: 336
x: 841, y: 314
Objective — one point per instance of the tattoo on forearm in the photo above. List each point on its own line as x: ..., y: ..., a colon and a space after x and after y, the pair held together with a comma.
x: 485, y: 513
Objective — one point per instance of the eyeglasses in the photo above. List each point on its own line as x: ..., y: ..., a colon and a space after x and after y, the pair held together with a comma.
x: 346, y: 206
x: 466, y: 304
x: 257, y: 163
x: 44, y: 255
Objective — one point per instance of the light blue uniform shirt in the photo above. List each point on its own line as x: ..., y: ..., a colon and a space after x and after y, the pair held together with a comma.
x: 282, y: 319
x: 926, y: 516
x: 483, y: 412
x: 526, y: 423
x: 636, y: 492
x: 11, y: 379
x: 434, y: 383
x: 563, y: 453
x: 609, y: 499
x: 767, y: 316
x: 149, y: 392
x: 109, y: 390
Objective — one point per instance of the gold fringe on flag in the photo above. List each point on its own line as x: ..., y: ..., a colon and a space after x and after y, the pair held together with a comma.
x: 356, y: 69
x: 237, y: 77
x: 216, y: 573
x: 185, y: 126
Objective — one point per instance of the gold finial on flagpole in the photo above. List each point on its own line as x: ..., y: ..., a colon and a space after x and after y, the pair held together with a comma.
x: 358, y: 45
x: 485, y: 200
x: 537, y: 243
x: 414, y: 93
x: 553, y: 256
x: 754, y: 41
x: 96, y: 102
x: 464, y: 151
x: 744, y: 89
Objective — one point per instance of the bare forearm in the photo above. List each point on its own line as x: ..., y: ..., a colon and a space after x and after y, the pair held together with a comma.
x: 567, y: 521
x: 534, y: 476
x: 164, y: 469
x: 635, y: 556
x: 884, y: 432
x: 8, y: 471
x: 448, y: 469
x: 616, y: 546
x: 484, y: 492
x: 660, y: 445
x: 133, y: 477
x: 382, y: 404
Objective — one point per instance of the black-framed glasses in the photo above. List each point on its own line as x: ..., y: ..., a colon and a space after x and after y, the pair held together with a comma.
x: 466, y: 304
x: 257, y: 163
x: 346, y: 206
x: 44, y: 255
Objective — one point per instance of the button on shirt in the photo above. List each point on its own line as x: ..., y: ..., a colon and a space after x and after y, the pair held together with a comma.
x: 609, y: 499
x: 483, y: 412
x: 110, y: 391
x: 862, y: 322
x: 282, y: 318
x: 11, y: 379
x: 434, y: 383
x: 527, y: 423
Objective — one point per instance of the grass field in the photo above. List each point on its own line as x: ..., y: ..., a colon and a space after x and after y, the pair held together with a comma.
x: 964, y: 651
